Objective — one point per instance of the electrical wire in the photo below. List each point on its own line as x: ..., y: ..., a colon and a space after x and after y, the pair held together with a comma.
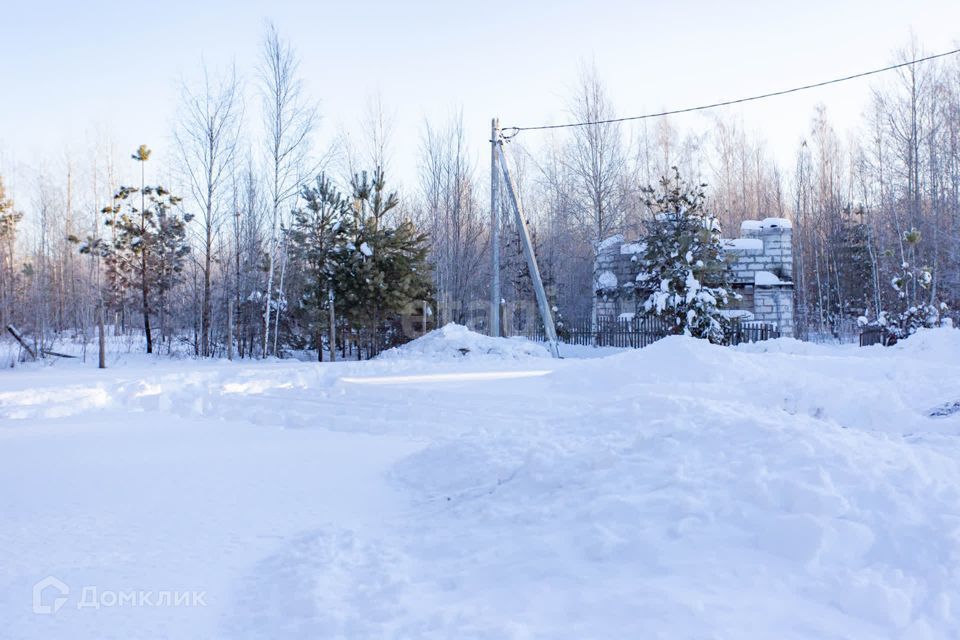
x: 509, y: 132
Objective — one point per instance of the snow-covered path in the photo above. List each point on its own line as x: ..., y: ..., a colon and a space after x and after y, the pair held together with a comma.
x: 127, y: 500
x: 682, y: 491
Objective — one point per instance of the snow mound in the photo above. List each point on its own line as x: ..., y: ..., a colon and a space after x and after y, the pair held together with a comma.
x: 937, y: 345
x: 455, y: 342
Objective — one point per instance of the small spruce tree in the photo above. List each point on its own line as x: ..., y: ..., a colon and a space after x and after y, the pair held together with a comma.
x: 683, y: 273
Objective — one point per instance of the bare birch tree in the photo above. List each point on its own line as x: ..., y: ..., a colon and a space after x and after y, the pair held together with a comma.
x: 207, y: 135
x: 288, y: 121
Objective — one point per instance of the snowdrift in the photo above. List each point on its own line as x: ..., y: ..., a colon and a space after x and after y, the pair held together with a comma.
x: 456, y: 342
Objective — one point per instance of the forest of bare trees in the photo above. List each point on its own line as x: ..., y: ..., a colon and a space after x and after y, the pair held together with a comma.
x: 876, y: 213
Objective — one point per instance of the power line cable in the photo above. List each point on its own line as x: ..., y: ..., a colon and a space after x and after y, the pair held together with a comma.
x: 515, y: 130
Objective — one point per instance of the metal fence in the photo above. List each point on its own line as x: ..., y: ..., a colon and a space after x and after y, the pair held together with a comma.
x: 741, y: 332
x: 637, y: 332
x: 876, y: 335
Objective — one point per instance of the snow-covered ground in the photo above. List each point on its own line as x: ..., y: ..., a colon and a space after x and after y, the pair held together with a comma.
x: 777, y: 490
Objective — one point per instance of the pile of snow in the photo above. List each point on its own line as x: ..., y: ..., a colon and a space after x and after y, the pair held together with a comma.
x: 456, y: 342
x: 941, y: 346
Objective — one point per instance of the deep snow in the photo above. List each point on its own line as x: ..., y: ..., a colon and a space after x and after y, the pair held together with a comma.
x: 775, y: 490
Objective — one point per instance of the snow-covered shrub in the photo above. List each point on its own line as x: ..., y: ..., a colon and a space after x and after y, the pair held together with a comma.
x: 910, y: 320
x: 908, y: 284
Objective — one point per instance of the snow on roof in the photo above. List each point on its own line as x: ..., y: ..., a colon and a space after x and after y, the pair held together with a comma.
x: 743, y: 244
x: 633, y: 247
x: 776, y: 223
x: 741, y: 314
x: 609, y: 242
x: 750, y: 224
x: 767, y: 279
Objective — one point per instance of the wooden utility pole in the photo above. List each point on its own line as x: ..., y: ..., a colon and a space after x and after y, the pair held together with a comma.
x: 546, y: 315
x: 494, y: 230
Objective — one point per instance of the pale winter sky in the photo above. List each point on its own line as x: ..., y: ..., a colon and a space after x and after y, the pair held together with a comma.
x: 70, y: 69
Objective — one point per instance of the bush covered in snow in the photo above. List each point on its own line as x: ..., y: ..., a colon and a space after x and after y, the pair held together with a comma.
x: 910, y: 284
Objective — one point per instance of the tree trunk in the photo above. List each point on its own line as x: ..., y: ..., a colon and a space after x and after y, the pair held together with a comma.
x: 205, y: 313
x: 101, y: 339
x: 145, y: 289
x: 230, y: 330
x: 333, y: 325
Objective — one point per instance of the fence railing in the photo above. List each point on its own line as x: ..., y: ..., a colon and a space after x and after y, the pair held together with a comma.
x: 741, y: 332
x: 876, y: 335
x: 637, y: 333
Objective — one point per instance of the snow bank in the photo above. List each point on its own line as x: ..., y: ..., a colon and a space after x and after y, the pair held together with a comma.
x: 931, y: 345
x: 456, y: 342
x: 689, y: 491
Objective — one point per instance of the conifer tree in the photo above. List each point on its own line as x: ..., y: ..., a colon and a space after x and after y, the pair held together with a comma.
x: 909, y: 284
x: 318, y: 239
x: 147, y: 249
x: 683, y: 274
x: 385, y: 268
x: 853, y: 264
x: 9, y: 219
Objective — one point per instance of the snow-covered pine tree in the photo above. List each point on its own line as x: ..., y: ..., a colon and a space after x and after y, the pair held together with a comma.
x: 683, y: 274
